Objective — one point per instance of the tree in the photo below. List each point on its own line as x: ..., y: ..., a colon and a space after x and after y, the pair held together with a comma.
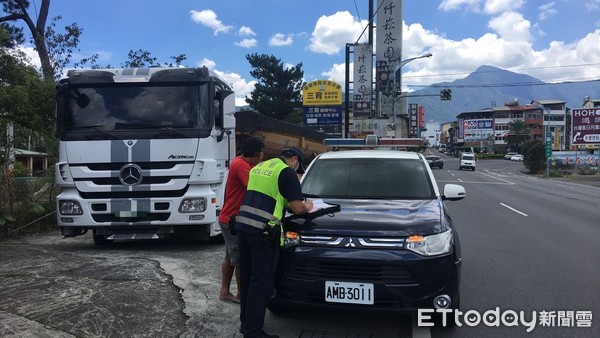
x: 278, y: 90
x: 10, y: 36
x: 518, y: 133
x: 17, y: 10
x: 26, y: 101
x: 534, y: 153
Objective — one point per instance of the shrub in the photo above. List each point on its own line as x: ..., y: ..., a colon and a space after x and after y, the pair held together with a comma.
x: 535, y: 156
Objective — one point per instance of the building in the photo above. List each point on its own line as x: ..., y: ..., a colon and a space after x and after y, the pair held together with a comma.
x: 432, y: 133
x: 487, y: 128
x: 35, y: 162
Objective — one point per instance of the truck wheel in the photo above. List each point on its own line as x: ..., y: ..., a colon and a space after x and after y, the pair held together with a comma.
x: 101, y: 240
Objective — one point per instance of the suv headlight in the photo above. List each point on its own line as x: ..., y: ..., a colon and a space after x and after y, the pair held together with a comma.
x: 432, y: 245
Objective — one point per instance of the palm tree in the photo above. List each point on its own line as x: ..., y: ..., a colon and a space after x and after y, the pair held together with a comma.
x: 518, y: 133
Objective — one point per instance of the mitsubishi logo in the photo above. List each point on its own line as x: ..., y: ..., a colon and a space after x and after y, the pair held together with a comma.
x: 350, y: 243
x: 130, y: 174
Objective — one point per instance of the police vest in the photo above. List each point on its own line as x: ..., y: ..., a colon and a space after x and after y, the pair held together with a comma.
x: 263, y: 203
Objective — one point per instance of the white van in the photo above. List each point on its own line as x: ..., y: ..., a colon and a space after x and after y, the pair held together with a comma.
x: 442, y: 148
x: 467, y: 161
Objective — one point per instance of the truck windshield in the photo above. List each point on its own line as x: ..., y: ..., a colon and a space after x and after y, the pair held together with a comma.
x: 139, y: 106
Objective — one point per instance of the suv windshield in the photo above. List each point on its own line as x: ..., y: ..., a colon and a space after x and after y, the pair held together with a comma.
x: 468, y: 157
x: 378, y: 178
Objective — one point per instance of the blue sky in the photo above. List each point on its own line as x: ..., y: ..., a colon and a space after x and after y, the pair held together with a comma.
x: 553, y: 40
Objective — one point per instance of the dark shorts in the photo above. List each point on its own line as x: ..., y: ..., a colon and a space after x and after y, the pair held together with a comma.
x: 232, y: 249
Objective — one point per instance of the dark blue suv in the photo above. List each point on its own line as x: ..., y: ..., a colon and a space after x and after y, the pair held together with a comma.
x: 391, y: 245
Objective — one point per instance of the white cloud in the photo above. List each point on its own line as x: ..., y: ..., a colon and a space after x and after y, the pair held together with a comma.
x: 491, y: 7
x: 592, y: 5
x: 208, y: 63
x: 239, y: 85
x: 209, y: 19
x: 470, y: 5
x: 280, y: 39
x: 31, y: 55
x: 331, y: 33
x: 547, y: 11
x: 500, y: 6
x: 337, y: 73
x: 246, y: 31
x: 247, y: 43
x: 511, y: 26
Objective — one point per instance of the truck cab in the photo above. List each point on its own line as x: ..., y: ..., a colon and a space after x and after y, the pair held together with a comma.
x: 142, y: 152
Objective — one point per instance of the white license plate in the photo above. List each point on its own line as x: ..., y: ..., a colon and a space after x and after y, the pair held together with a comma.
x: 354, y: 293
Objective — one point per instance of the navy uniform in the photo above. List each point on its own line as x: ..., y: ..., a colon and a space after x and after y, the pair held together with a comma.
x: 272, y: 185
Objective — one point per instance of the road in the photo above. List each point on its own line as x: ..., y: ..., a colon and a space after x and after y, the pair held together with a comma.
x: 528, y: 244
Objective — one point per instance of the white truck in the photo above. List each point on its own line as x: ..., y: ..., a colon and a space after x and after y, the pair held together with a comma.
x: 143, y: 152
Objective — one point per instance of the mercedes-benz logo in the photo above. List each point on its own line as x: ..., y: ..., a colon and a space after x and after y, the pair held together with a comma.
x: 130, y: 174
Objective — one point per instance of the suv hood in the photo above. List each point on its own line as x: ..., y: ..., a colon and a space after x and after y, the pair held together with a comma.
x: 378, y: 218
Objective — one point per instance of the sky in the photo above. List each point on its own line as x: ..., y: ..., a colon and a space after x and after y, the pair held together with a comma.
x: 552, y: 40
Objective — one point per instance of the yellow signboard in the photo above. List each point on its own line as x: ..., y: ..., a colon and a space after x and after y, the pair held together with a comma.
x: 322, y: 93
x: 556, y: 140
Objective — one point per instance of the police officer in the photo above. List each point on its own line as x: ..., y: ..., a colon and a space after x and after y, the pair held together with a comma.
x: 272, y: 187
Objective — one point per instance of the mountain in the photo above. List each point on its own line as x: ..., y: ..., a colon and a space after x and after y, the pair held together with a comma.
x: 490, y: 86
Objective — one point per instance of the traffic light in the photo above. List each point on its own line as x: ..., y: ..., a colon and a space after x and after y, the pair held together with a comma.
x: 446, y: 94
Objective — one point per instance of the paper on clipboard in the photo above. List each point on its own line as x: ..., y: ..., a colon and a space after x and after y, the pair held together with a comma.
x: 318, y: 204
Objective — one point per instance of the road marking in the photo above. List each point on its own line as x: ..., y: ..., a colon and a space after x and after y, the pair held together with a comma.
x: 497, y: 178
x: 513, y: 209
x: 479, y: 182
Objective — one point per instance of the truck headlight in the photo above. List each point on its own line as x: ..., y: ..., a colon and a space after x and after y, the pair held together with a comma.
x: 432, y: 245
x: 193, y: 205
x: 68, y: 207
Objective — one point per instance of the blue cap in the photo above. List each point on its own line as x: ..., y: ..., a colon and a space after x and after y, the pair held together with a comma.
x: 295, y: 152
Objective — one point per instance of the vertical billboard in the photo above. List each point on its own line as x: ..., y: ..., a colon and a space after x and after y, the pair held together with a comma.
x: 389, y: 49
x: 421, y: 117
x: 363, y: 80
x: 413, y: 117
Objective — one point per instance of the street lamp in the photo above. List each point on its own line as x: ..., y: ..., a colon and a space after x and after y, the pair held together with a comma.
x: 397, y: 83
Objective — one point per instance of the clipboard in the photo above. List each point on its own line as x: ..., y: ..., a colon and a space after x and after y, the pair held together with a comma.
x: 319, y: 209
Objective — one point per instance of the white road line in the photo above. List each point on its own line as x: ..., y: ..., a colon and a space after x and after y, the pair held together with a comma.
x: 513, y: 209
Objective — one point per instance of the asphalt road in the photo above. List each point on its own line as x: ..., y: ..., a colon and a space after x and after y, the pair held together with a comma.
x: 528, y: 244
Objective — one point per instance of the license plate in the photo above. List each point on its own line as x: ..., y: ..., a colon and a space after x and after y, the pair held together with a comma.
x: 354, y: 293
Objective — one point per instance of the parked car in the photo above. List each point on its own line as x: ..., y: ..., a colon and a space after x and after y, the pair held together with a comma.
x: 509, y: 155
x: 392, y: 246
x: 517, y: 157
x: 467, y: 161
x: 435, y: 161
